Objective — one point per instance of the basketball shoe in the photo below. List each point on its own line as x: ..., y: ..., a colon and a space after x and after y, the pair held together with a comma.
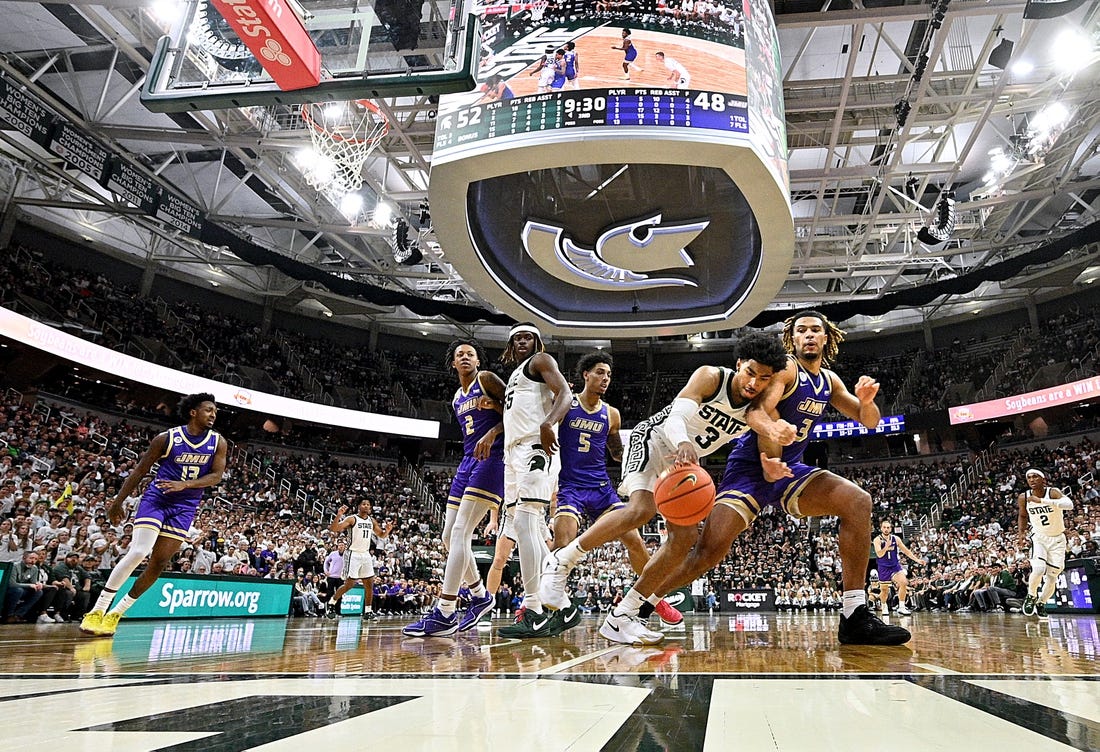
x: 434, y: 624
x: 1029, y: 608
x: 92, y: 622
x: 903, y: 610
x: 1041, y: 610
x: 478, y: 608
x: 864, y: 628
x: 552, y: 583
x: 566, y: 618
x: 108, y: 625
x: 670, y: 617
x: 531, y: 625
x: 628, y: 630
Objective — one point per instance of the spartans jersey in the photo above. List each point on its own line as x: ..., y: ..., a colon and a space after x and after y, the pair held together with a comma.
x: 526, y: 404
x: 717, y: 421
x: 360, y: 534
x: 1046, y: 519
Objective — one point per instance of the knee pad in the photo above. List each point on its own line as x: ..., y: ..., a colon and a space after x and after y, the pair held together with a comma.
x: 1038, y: 567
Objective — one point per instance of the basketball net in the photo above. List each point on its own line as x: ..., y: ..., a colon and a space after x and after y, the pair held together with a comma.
x: 344, y: 134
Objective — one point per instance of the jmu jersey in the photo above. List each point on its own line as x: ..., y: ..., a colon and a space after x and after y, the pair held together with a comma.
x: 526, y: 404
x: 570, y: 64
x: 714, y: 424
x: 474, y: 421
x: 360, y: 534
x: 1046, y: 519
x: 890, y: 558
x: 186, y: 458
x: 802, y: 407
x: 582, y: 437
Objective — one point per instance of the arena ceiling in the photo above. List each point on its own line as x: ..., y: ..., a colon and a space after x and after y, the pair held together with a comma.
x: 1017, y: 145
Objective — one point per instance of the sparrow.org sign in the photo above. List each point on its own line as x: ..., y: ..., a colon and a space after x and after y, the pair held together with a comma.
x: 189, y: 596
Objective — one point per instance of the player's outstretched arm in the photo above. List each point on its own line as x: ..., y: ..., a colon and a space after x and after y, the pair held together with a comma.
x: 859, y: 406
x: 773, y: 432
x: 1021, y: 519
x: 905, y: 550
x: 341, y: 521
x: 703, y: 382
x: 157, y: 447
x: 614, y: 441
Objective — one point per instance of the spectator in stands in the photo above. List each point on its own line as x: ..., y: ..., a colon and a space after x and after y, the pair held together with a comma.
x: 25, y: 589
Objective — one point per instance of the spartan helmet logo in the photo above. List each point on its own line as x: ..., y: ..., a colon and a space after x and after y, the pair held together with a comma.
x: 624, y: 255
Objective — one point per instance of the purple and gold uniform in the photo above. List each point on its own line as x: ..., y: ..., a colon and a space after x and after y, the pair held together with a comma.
x: 482, y: 480
x: 186, y: 457
x: 890, y: 564
x: 743, y: 485
x: 584, y: 489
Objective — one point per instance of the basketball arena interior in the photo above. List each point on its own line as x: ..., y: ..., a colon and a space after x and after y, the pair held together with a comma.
x: 326, y: 223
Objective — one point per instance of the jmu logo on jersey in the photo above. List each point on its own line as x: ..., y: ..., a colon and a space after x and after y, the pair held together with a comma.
x: 467, y: 405
x: 191, y: 458
x: 720, y: 420
x: 584, y: 424
x: 624, y: 255
x: 811, y: 406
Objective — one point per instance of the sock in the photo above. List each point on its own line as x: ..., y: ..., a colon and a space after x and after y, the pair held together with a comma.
x: 123, y: 605
x: 630, y: 604
x: 646, y: 610
x: 104, y: 601
x: 851, y: 600
x: 368, y: 609
x: 478, y: 590
x: 446, y: 607
x: 571, y: 555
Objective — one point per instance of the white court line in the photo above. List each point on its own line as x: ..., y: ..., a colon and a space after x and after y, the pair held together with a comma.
x: 559, y: 667
x: 935, y: 669
x: 511, y: 641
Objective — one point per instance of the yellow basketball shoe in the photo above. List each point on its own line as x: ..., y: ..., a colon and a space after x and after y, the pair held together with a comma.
x: 109, y: 624
x: 92, y: 622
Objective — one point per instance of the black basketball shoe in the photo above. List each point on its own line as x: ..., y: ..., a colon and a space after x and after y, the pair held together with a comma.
x: 864, y: 628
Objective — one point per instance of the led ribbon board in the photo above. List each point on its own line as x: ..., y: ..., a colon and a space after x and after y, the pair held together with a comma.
x: 619, y: 172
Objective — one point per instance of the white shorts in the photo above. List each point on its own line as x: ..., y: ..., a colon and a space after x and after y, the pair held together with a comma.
x: 1049, y: 548
x: 358, y: 566
x: 646, y: 457
x: 546, y: 77
x: 530, y: 474
x: 685, y: 82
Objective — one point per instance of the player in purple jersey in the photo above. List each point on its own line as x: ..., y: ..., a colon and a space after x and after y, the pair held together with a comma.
x: 192, y: 457
x: 589, y: 432
x: 478, y: 487
x: 799, y: 394
x: 887, y: 549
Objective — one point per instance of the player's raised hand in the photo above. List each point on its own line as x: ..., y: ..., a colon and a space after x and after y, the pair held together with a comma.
x: 774, y: 468
x: 866, y: 389
x: 342, y: 510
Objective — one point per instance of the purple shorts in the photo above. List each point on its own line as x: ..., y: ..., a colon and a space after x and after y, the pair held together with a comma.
x: 588, y: 503
x: 887, y: 570
x: 171, y: 519
x: 744, y: 488
x: 482, y: 480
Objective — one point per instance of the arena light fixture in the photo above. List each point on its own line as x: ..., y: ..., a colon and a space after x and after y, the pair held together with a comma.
x: 383, y: 213
x: 942, y: 224
x: 1072, y: 50
x: 1022, y: 67
x: 351, y: 204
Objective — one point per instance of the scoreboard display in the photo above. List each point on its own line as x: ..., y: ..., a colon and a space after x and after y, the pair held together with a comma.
x: 578, y: 109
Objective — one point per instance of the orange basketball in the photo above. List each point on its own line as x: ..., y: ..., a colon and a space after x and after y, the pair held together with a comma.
x: 684, y: 495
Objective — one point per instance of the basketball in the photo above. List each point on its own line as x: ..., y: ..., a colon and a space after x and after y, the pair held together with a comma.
x: 684, y: 495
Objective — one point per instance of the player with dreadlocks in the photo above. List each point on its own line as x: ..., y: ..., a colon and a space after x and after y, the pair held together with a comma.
x: 799, y: 395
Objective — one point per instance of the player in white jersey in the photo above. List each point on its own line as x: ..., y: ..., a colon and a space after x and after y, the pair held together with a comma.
x: 536, y: 400
x: 677, y: 71
x: 708, y: 413
x: 545, y: 68
x: 1043, y: 507
x: 358, y: 562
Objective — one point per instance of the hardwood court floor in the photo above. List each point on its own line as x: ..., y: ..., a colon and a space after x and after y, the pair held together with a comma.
x: 746, y: 682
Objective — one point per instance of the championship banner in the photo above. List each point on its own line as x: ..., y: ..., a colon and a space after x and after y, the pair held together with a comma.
x: 748, y: 599
x: 184, y: 596
x: 1066, y: 394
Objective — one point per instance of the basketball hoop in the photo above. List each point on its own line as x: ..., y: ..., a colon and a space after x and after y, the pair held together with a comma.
x: 344, y: 134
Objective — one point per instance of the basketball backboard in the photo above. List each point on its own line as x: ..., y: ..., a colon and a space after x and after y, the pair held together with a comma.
x: 369, y: 49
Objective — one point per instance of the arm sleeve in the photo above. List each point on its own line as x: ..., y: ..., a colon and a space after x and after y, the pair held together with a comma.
x: 676, y: 423
x: 1063, y: 503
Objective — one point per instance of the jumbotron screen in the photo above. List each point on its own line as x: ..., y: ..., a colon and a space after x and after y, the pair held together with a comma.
x: 546, y: 67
